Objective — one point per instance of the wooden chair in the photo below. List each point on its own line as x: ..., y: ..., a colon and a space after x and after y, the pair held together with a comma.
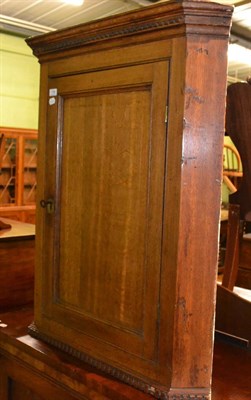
x: 232, y: 167
x: 234, y: 237
x: 238, y: 126
x: 233, y: 313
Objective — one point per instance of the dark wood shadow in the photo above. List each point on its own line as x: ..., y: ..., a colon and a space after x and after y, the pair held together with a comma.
x: 233, y: 314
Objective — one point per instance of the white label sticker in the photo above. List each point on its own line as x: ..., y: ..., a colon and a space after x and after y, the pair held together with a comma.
x: 52, y: 101
x: 53, y: 92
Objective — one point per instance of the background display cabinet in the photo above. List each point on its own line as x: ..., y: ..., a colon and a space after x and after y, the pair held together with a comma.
x: 130, y: 169
x: 18, y: 174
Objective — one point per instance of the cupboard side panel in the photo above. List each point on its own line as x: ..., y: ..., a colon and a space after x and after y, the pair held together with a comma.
x: 202, y: 144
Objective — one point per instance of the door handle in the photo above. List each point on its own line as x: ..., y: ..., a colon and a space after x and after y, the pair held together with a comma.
x: 49, y: 205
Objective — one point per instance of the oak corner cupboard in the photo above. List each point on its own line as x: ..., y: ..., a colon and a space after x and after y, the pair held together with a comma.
x: 131, y: 136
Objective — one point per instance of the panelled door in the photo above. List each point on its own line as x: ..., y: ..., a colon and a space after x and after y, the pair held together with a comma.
x: 102, y: 213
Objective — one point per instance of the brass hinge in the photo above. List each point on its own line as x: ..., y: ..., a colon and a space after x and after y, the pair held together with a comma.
x: 166, y: 114
x: 48, y: 205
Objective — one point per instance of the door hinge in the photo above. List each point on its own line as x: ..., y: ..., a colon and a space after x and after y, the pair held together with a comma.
x: 166, y: 114
x: 48, y: 205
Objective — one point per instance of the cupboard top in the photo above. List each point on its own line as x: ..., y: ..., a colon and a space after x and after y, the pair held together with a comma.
x: 168, y: 19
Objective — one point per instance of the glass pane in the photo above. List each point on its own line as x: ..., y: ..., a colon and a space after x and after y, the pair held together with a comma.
x: 30, y: 170
x: 8, y: 171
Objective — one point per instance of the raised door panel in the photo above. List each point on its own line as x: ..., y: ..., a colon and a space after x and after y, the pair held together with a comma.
x: 106, y: 144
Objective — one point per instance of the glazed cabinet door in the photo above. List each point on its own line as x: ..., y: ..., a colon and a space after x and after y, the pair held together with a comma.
x: 102, y: 214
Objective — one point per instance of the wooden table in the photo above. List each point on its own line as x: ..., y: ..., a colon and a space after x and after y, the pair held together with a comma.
x: 32, y: 369
x: 18, y: 231
x: 17, y: 254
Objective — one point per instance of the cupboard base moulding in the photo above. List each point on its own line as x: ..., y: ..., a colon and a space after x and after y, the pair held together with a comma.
x: 157, y: 393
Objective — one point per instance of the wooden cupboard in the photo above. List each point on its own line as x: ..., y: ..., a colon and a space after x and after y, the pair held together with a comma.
x: 18, y: 166
x: 131, y: 137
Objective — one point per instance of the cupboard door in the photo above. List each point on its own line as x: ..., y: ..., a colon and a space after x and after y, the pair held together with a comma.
x: 102, y: 240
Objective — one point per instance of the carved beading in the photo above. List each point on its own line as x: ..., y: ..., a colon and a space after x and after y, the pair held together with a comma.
x: 111, y: 34
x: 115, y: 372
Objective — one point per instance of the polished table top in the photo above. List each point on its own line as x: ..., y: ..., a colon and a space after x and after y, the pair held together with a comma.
x: 18, y: 230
